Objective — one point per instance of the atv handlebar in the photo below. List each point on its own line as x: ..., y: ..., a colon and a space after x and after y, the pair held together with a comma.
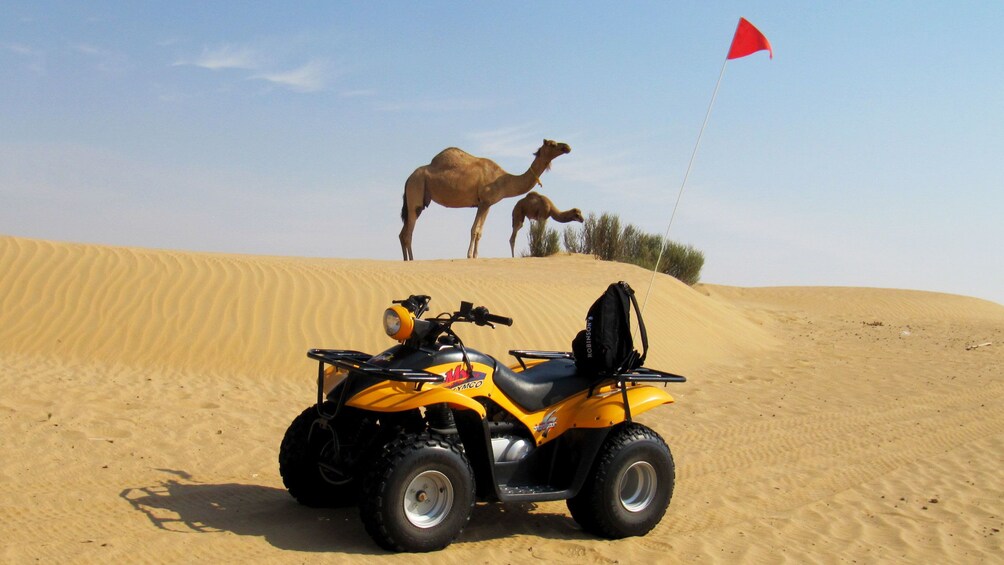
x: 418, y: 304
x: 482, y: 317
x: 429, y: 330
x: 479, y: 315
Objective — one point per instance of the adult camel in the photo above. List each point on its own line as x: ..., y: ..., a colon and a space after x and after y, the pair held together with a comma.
x: 539, y: 208
x: 457, y: 179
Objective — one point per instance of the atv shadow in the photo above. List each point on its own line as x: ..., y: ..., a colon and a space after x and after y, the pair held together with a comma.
x: 188, y: 506
x: 500, y: 520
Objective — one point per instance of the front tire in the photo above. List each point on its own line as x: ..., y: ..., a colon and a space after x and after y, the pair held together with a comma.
x: 629, y: 487
x: 419, y: 493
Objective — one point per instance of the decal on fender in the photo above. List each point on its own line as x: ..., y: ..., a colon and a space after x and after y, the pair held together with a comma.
x: 459, y: 379
x: 545, y: 425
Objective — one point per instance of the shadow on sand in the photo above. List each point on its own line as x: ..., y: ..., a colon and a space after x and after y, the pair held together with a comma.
x: 188, y: 506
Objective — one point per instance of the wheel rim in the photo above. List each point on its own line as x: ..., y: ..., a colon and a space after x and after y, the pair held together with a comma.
x: 638, y: 486
x: 428, y: 499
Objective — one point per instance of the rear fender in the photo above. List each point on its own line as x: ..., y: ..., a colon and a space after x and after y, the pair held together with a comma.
x: 394, y: 396
x: 602, y: 409
x: 606, y: 407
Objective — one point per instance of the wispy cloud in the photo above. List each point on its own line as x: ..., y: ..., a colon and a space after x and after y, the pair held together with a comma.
x: 306, y: 78
x: 226, y: 57
x: 361, y: 93
x: 614, y: 172
x: 170, y: 41
x: 511, y: 141
x: 438, y: 105
x: 263, y: 64
x: 106, y: 60
x: 35, y: 58
x: 86, y: 49
x: 19, y: 49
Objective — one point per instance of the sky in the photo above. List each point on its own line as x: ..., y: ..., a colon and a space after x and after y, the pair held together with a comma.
x: 869, y: 151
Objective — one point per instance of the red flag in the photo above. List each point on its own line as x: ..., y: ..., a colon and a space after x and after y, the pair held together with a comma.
x: 748, y: 40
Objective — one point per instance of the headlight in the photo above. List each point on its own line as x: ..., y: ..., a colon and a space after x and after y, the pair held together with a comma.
x: 398, y: 322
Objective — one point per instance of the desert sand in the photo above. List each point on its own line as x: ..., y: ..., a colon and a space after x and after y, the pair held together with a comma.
x: 143, y: 396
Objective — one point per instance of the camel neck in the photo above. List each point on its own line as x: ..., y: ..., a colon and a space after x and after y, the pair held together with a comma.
x: 535, y: 176
x: 563, y: 217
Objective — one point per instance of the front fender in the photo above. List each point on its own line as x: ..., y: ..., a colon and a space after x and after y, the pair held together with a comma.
x: 607, y: 408
x: 394, y: 396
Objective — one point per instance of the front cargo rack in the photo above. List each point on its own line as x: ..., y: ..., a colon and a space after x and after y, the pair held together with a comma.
x: 358, y: 362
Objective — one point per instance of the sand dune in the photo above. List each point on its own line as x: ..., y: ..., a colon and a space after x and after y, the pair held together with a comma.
x: 145, y: 394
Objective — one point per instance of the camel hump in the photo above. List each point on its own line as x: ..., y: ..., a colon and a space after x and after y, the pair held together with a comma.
x: 450, y: 156
x: 535, y: 197
x: 537, y: 202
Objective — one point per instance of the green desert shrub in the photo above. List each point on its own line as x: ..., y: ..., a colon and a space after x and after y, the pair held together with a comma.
x: 683, y: 262
x: 573, y: 239
x: 640, y: 248
x: 606, y: 238
x: 543, y: 241
x: 603, y: 236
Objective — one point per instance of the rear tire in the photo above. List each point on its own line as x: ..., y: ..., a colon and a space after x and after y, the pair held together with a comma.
x: 318, y: 457
x: 419, y: 493
x: 629, y: 487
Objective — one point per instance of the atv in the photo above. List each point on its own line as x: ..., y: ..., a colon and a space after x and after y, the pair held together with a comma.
x: 417, y: 434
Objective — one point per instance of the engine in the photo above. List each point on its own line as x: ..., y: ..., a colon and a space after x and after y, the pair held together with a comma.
x: 508, y: 448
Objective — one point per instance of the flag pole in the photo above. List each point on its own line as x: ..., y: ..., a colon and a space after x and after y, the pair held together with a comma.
x: 679, y: 195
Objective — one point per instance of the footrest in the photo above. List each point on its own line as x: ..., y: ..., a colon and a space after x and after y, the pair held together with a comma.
x: 532, y: 493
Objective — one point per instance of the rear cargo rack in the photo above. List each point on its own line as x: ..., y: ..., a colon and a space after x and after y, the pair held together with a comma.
x: 639, y: 375
x: 521, y: 354
x: 646, y: 375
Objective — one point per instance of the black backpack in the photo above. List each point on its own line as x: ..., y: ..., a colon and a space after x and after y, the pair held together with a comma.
x: 605, y: 347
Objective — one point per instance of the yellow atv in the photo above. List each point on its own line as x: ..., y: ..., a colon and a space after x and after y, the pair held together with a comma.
x: 416, y: 434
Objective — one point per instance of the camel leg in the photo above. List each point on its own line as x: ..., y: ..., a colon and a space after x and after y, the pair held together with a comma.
x: 409, y: 214
x: 405, y: 237
x: 479, y: 223
x: 517, y: 224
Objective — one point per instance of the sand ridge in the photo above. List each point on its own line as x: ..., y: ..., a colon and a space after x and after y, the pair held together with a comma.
x: 145, y: 394
x: 203, y: 312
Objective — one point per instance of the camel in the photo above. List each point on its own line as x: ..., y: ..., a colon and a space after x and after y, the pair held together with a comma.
x: 538, y: 207
x: 457, y: 179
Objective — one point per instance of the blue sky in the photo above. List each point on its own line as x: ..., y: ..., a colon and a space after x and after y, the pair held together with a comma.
x: 868, y: 152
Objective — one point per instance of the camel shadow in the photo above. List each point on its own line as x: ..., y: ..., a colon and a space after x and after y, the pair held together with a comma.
x: 186, y: 506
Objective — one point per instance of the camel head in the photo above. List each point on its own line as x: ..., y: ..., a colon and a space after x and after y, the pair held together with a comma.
x: 576, y: 215
x: 552, y: 149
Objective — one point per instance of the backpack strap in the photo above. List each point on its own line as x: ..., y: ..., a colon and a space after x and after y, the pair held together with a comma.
x: 635, y: 359
x: 641, y: 330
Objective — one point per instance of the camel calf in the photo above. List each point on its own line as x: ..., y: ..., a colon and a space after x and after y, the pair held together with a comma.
x: 538, y: 207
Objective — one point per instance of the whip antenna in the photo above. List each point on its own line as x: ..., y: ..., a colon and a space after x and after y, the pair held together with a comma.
x: 746, y: 41
x: 679, y: 195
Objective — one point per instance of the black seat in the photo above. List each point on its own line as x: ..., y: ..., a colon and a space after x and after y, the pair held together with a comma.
x: 542, y: 385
